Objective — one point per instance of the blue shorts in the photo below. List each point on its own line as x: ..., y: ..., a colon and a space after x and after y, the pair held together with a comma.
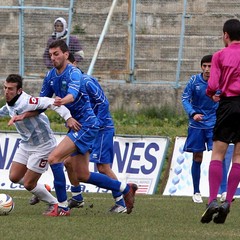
x: 84, y: 138
x: 197, y: 140
x: 102, y: 150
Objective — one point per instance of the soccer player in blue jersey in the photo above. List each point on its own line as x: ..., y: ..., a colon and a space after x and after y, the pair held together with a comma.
x: 102, y: 150
x: 202, y: 117
x: 66, y: 82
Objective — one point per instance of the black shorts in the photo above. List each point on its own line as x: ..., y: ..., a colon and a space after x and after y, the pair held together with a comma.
x: 227, y: 127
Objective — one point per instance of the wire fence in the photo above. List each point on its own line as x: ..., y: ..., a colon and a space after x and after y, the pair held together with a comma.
x: 171, y: 36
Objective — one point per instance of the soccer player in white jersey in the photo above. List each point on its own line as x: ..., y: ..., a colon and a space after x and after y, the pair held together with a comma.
x: 37, y: 139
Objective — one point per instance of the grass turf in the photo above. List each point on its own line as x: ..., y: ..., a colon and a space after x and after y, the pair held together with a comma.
x: 154, y: 217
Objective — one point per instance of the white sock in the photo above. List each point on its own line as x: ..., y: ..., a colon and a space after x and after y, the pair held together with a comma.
x: 122, y: 186
x: 63, y: 204
x: 76, y: 193
x: 43, y: 194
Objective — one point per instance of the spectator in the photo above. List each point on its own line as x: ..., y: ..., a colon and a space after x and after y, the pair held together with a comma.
x: 60, y: 32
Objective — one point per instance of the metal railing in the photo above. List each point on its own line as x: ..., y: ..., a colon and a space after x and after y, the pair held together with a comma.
x: 144, y: 41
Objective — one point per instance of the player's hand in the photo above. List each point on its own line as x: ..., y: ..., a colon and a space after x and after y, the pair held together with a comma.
x: 15, y: 118
x: 73, y: 124
x: 198, y: 117
x: 216, y: 98
x: 58, y: 101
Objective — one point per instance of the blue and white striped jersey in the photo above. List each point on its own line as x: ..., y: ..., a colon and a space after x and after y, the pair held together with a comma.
x: 70, y: 81
x: 99, y: 101
x: 195, y: 100
x: 36, y: 130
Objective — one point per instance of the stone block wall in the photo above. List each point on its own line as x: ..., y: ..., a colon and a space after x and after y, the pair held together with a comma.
x: 158, y: 27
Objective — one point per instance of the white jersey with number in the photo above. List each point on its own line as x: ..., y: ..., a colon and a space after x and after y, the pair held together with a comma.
x: 34, y: 131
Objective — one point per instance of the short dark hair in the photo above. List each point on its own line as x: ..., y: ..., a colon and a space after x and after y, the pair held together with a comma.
x: 232, y: 27
x: 15, y: 78
x: 61, y: 44
x: 206, y: 59
x: 71, y: 58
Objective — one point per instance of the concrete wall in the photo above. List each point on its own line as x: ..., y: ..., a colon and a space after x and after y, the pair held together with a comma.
x: 158, y: 27
x: 130, y: 97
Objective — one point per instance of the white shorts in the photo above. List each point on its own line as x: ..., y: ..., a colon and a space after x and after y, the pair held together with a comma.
x: 35, y: 158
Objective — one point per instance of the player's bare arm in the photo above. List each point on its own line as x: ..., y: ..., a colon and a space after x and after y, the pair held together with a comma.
x: 73, y: 124
x: 62, y: 101
x: 22, y: 116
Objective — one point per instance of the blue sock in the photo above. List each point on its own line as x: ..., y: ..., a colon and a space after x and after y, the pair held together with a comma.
x: 103, y: 181
x: 120, y: 201
x: 126, y: 190
x: 116, y: 194
x: 196, y: 169
x: 59, y: 181
x: 77, y: 193
x: 118, y: 198
x: 223, y: 186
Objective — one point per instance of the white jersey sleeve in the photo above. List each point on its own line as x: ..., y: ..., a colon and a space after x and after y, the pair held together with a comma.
x: 35, y: 103
x: 34, y: 131
x: 62, y: 111
x: 4, y: 111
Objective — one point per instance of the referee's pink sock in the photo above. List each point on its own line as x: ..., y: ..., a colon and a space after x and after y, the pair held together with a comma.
x: 233, y: 181
x: 215, y: 178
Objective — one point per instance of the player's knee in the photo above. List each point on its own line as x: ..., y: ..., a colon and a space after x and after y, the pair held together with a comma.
x: 29, y: 186
x: 13, y: 178
x: 52, y: 159
x: 100, y: 169
x: 30, y: 183
x: 84, y: 177
x: 198, y: 157
x: 67, y: 164
x: 103, y: 168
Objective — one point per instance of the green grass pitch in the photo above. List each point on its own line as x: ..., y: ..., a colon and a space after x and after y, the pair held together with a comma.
x: 153, y: 217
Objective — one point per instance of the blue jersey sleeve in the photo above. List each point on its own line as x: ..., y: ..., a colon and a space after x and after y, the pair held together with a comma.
x: 195, y: 100
x: 99, y: 101
x: 75, y: 81
x: 187, y: 97
x: 47, y: 90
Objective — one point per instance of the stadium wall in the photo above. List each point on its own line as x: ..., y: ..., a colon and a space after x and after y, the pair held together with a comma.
x: 125, y: 96
x: 158, y: 33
